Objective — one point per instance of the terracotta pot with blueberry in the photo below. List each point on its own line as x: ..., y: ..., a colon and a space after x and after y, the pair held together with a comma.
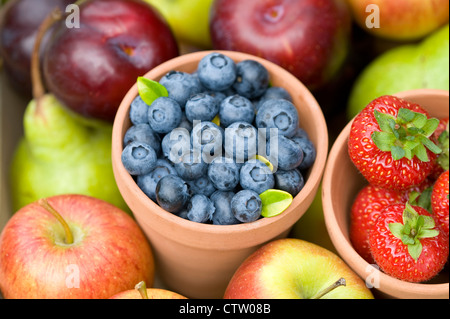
x: 216, y: 153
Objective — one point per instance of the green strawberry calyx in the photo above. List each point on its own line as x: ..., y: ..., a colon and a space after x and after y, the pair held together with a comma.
x: 444, y: 145
x: 406, y: 135
x: 414, y: 228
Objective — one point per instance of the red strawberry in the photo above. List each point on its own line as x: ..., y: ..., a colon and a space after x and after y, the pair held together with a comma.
x: 389, y: 143
x: 406, y: 244
x: 440, y: 201
x: 366, y: 208
x: 440, y: 138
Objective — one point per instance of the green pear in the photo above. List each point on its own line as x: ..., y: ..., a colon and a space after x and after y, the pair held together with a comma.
x: 62, y: 153
x: 406, y: 67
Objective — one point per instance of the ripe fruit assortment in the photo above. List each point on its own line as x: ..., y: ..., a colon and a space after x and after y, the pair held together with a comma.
x: 399, y: 221
x: 205, y: 145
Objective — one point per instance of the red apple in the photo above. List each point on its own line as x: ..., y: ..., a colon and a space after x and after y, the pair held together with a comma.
x: 19, y: 23
x: 91, y: 68
x: 309, y: 38
x: 403, y: 20
x: 141, y: 291
x: 292, y: 268
x: 72, y: 246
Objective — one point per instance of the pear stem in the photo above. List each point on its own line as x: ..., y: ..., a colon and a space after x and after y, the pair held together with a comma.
x: 45, y: 204
x: 36, y: 79
x: 338, y: 283
x: 142, y: 288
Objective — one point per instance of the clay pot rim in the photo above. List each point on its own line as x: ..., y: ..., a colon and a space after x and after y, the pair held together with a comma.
x: 389, y: 285
x: 314, y: 177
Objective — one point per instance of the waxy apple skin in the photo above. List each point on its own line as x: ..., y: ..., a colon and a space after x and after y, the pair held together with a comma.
x: 91, y: 68
x: 153, y: 293
x: 400, y: 20
x: 109, y: 254
x: 291, y: 268
x: 309, y: 38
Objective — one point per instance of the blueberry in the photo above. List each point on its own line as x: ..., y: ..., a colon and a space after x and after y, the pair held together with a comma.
x: 172, y: 193
x: 185, y: 123
x: 138, y: 158
x: 252, y: 79
x: 241, y: 141
x: 175, y: 144
x: 309, y: 152
x: 201, y: 107
x: 181, y: 85
x: 256, y: 176
x: 138, y: 111
x: 246, y: 206
x: 147, y: 182
x: 216, y: 72
x: 291, y: 181
x: 218, y: 96
x: 274, y: 92
x: 191, y: 166
x: 223, y: 173
x: 202, y: 185
x: 236, y: 108
x: 279, y: 114
x: 164, y: 115
x: 223, y: 214
x: 200, y: 209
x: 286, y: 154
x: 143, y: 133
x: 207, y: 138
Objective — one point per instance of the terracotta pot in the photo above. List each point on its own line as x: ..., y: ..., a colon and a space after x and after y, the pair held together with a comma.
x: 342, y: 181
x: 198, y: 260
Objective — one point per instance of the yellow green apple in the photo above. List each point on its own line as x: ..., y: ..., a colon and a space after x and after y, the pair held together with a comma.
x: 406, y: 67
x: 141, y: 291
x: 189, y: 20
x: 292, y: 268
x: 400, y: 20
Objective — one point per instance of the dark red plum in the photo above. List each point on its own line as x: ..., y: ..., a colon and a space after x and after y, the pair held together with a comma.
x: 91, y: 68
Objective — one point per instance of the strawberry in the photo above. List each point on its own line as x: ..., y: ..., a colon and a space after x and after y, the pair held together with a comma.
x: 440, y: 138
x: 440, y: 201
x: 406, y: 244
x: 366, y: 208
x: 390, y: 143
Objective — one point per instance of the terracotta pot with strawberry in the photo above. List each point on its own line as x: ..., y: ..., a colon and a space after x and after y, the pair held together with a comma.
x: 390, y: 222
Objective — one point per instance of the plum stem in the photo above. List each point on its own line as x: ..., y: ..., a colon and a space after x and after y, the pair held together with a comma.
x: 36, y: 78
x: 338, y: 283
x: 142, y: 288
x: 46, y: 205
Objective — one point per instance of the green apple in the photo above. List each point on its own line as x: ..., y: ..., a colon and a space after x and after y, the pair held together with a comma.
x: 292, y: 268
x: 406, y: 67
x: 189, y: 20
x: 62, y: 153
x: 400, y: 20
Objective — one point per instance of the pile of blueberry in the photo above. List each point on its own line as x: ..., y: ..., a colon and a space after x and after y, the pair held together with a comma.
x: 221, y: 136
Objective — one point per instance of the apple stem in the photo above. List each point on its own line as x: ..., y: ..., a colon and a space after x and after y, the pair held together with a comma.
x: 38, y: 87
x: 142, y: 288
x: 338, y: 283
x: 45, y: 204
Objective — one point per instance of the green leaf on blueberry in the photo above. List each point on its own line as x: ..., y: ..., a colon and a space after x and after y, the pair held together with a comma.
x: 274, y: 202
x: 150, y: 90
